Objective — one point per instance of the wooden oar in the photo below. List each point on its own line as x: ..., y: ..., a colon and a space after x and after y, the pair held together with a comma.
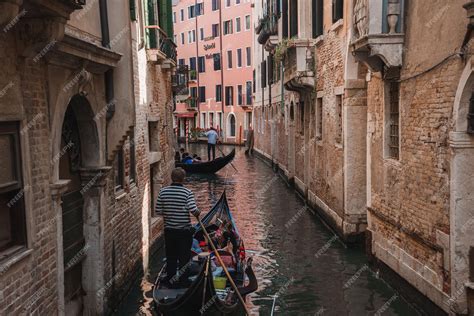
x: 224, y: 156
x: 224, y: 267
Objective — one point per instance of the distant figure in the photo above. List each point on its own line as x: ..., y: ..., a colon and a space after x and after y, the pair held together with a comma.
x: 177, y: 156
x: 175, y: 203
x: 212, y: 138
x: 183, y: 154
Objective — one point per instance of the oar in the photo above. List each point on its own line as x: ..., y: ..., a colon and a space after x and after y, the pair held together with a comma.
x: 230, y: 162
x: 224, y: 267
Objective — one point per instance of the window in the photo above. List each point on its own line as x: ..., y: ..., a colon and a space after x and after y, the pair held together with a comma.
x: 118, y: 169
x: 237, y: 25
x: 182, y: 15
x: 392, y: 115
x: 201, y: 33
x: 254, y: 76
x: 191, y: 36
x: 182, y: 38
x: 284, y: 22
x: 191, y: 12
x: 248, y: 100
x: 227, y: 3
x: 211, y: 119
x: 192, y: 63
x: 201, y: 64
x: 229, y: 95
x: 202, y: 94
x: 215, y: 30
x: 133, y: 10
x: 218, y: 93
x: 263, y: 69
x: 199, y: 9
x: 237, y: 1
x: 132, y: 164
x: 203, y: 120
x: 217, y: 61
x: 228, y: 27
x: 270, y: 72
x: 317, y: 18
x: 215, y: 5
x: 319, y: 118
x: 194, y: 93
x: 12, y: 206
x: 337, y: 10
x: 240, y: 97
x: 181, y: 61
x: 249, y: 56
x: 302, y: 117
x: 174, y: 17
x: 293, y: 18
x: 339, y: 119
x: 247, y: 22
x: 229, y: 59
x: 239, y: 57
x: 470, y: 115
x: 232, y: 125
x: 219, y: 119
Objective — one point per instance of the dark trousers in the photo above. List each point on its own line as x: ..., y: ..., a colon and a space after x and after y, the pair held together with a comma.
x: 209, y: 148
x: 178, y: 244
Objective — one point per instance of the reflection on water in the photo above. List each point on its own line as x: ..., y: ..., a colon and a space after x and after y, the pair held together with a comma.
x: 295, y: 256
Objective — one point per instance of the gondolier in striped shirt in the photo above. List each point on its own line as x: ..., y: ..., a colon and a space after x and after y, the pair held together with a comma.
x: 175, y: 203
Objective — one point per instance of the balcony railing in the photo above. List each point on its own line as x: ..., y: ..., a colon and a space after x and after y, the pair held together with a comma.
x: 299, y: 63
x: 191, y: 103
x: 268, y: 26
x: 181, y: 80
x: 378, y: 33
x: 157, y: 39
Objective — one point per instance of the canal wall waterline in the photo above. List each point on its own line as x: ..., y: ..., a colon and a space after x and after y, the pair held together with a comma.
x: 330, y: 217
x: 364, y: 239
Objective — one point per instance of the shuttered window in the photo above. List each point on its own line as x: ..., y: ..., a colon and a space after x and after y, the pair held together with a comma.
x: 317, y: 17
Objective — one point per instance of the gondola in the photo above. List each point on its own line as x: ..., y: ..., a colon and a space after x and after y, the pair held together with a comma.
x: 202, y: 297
x: 208, y: 166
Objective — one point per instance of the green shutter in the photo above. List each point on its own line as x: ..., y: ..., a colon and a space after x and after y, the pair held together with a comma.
x: 133, y: 10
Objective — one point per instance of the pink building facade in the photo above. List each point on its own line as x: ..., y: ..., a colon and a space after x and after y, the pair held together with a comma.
x: 214, y: 39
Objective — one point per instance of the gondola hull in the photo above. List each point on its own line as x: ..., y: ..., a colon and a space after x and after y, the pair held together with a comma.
x: 200, y: 298
x: 208, y: 166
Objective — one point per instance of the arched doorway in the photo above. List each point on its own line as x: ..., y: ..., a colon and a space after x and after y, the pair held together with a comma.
x: 231, y: 125
x: 461, y: 194
x: 79, y: 149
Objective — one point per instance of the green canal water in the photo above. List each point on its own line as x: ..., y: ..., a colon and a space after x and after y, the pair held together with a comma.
x: 296, y: 257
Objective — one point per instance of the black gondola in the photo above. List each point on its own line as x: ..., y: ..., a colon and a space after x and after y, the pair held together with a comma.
x: 201, y: 297
x: 208, y: 166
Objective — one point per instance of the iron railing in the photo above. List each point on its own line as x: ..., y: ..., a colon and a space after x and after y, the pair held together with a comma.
x: 158, y: 39
x: 268, y: 26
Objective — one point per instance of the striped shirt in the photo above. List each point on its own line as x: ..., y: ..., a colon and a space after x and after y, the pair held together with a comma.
x: 174, y: 203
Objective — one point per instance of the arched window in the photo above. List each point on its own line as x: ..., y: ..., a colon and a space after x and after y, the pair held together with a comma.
x: 231, y: 125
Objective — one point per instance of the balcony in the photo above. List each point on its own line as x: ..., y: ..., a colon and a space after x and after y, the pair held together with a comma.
x: 191, y: 103
x: 267, y: 31
x: 299, y: 71
x: 181, y: 80
x: 378, y: 37
x: 160, y: 48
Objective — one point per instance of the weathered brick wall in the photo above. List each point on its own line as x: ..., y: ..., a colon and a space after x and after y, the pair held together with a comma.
x: 29, y: 286
x: 414, y: 192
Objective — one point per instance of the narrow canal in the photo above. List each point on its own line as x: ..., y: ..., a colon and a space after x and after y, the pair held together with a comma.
x: 295, y: 255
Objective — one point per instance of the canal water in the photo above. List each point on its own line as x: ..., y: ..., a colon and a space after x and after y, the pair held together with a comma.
x: 302, y: 267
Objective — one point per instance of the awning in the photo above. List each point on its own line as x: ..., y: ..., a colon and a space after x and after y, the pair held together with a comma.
x: 185, y: 114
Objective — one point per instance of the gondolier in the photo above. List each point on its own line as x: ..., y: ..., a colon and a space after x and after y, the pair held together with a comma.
x: 212, y: 138
x: 175, y: 203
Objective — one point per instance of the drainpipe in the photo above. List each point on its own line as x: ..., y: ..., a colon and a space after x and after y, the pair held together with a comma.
x: 109, y: 74
x: 223, y: 95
